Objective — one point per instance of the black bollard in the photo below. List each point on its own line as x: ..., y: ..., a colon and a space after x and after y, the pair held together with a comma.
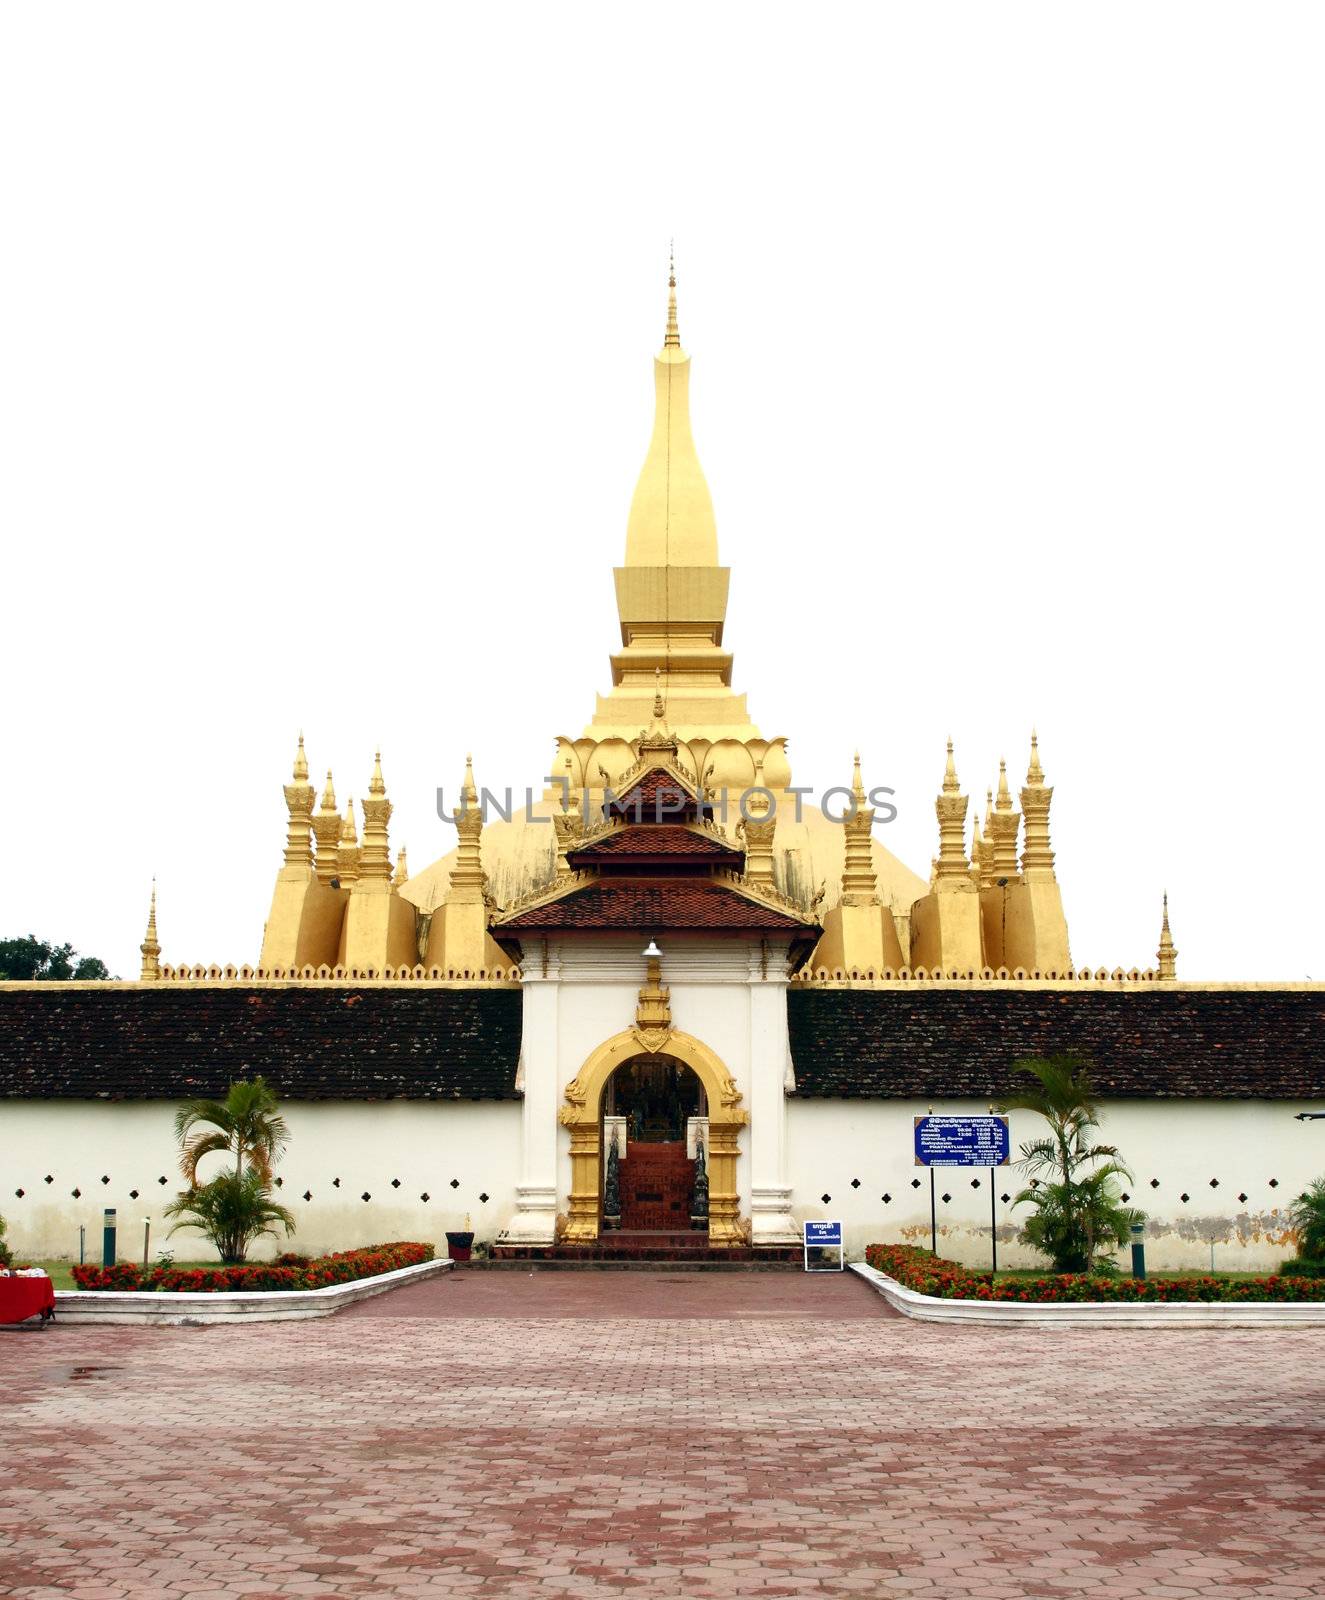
x: 1138, y: 1250
x: 108, y: 1237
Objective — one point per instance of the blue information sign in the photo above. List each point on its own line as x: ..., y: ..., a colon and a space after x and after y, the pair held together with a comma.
x: 962, y: 1142
x: 817, y: 1233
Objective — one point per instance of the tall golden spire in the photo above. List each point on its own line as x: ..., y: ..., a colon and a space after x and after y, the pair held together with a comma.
x: 1004, y: 825
x: 326, y: 830
x: 860, y: 883
x: 672, y: 338
x: 671, y: 516
x: 951, y: 810
x: 467, y: 879
x: 375, y: 858
x: 150, y: 947
x: 1037, y: 859
x: 347, y: 851
x: 1168, y: 954
x: 299, y: 804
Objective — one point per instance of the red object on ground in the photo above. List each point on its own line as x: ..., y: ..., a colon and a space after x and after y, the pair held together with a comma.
x: 21, y: 1298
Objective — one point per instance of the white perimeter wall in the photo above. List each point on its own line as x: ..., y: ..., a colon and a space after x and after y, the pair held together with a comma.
x: 423, y: 1144
x: 1182, y: 1143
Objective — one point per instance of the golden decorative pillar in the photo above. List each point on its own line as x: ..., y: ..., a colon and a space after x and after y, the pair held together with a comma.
x: 757, y: 830
x: 946, y: 924
x: 304, y: 924
x: 326, y: 831
x: 402, y: 870
x: 151, y: 949
x: 1036, y: 927
x: 347, y: 850
x: 859, y: 933
x: 568, y: 822
x: 1002, y: 825
x: 375, y: 855
x: 458, y: 937
x: 380, y: 925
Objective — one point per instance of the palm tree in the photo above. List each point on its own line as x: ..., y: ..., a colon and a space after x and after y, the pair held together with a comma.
x: 232, y: 1210
x: 1308, y: 1217
x: 1079, y: 1214
x: 235, y: 1207
x: 246, y: 1125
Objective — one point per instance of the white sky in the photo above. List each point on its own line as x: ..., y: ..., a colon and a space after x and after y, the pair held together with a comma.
x: 325, y: 338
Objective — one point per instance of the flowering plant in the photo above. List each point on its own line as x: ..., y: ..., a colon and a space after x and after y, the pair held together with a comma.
x: 929, y: 1274
x: 345, y: 1266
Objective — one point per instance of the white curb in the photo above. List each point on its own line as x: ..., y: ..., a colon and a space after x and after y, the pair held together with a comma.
x: 173, y: 1307
x: 1097, y: 1313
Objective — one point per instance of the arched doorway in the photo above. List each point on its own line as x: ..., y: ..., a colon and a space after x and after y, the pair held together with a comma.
x: 583, y: 1114
x: 655, y: 1147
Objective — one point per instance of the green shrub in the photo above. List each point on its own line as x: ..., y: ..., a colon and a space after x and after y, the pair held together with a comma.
x: 1302, y: 1268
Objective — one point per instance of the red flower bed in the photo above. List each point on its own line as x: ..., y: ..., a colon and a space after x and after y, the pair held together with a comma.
x: 287, y: 1272
x: 929, y: 1274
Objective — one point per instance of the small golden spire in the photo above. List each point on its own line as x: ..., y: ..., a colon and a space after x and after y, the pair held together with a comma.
x: 672, y: 338
x: 950, y: 784
x: 347, y: 830
x: 468, y: 793
x: 1168, y: 954
x: 328, y: 795
x: 1035, y: 772
x: 377, y: 784
x: 402, y: 869
x: 1004, y: 801
x: 989, y: 807
x: 300, y: 762
x: 857, y: 783
x: 659, y: 704
x: 150, y: 947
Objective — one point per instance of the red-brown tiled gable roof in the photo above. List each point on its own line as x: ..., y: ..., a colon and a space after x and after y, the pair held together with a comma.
x: 670, y: 903
x: 643, y: 842
x: 658, y: 797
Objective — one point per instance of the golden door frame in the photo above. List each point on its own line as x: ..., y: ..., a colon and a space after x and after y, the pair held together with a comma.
x: 582, y: 1115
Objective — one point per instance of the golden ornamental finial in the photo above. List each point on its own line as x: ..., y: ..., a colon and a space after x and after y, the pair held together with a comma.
x: 377, y: 784
x: 1035, y: 772
x: 857, y: 783
x: 348, y: 835
x: 950, y: 784
x: 659, y: 705
x: 468, y: 791
x: 328, y: 795
x: 402, y: 869
x: 1004, y: 801
x: 672, y: 338
x: 300, y: 763
x: 989, y: 807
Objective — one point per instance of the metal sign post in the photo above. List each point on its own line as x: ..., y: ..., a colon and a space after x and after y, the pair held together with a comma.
x: 963, y: 1142
x: 823, y: 1236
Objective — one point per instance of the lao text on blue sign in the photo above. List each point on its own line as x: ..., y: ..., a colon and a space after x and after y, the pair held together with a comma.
x: 818, y: 1233
x: 962, y: 1142
x: 821, y: 1236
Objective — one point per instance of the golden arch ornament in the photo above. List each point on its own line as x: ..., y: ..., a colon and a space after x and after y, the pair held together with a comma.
x: 584, y: 1098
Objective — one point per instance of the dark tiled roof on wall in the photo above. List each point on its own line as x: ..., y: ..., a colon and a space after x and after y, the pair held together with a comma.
x: 1160, y: 1041
x: 314, y: 1042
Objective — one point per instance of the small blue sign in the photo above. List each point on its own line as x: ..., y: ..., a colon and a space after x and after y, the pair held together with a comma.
x: 823, y: 1233
x: 962, y: 1142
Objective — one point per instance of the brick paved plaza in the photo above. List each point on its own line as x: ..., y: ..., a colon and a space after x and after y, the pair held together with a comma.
x: 604, y: 1434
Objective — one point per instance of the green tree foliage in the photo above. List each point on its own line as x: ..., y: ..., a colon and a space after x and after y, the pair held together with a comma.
x: 237, y: 1206
x: 1308, y: 1218
x: 246, y: 1125
x: 1079, y: 1217
x: 23, y: 960
x: 232, y: 1211
x: 6, y: 1254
